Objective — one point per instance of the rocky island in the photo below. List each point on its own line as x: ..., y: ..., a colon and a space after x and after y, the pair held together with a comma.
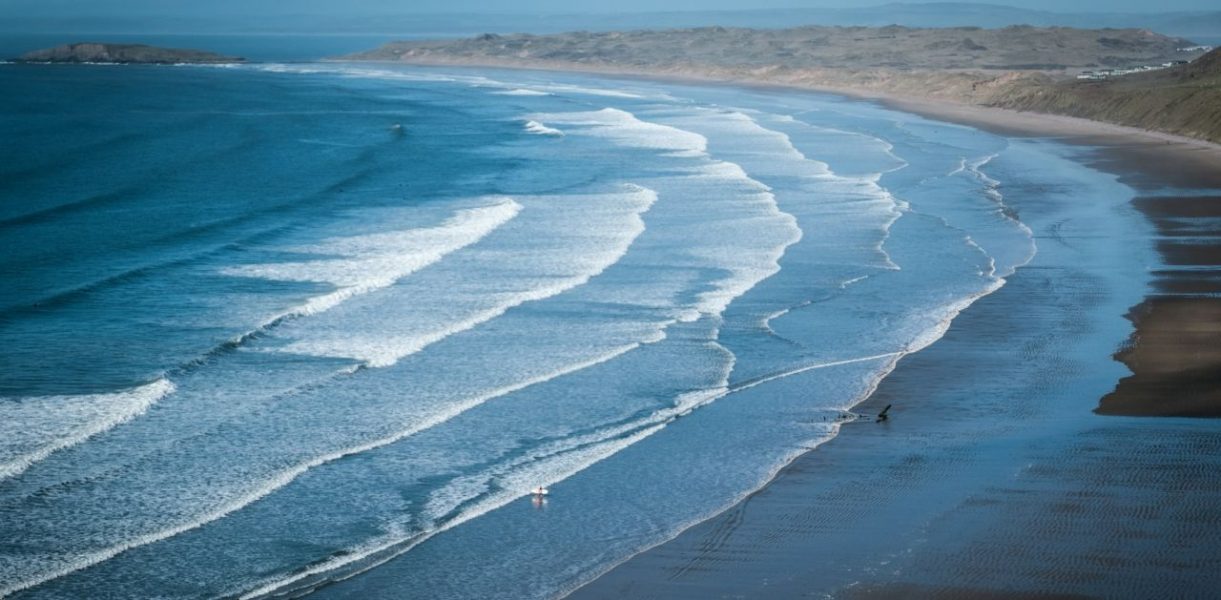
x: 1018, y: 67
x: 94, y: 52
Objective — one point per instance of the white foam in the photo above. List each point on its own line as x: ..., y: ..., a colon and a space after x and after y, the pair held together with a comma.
x: 975, y: 166
x: 858, y: 138
x: 366, y: 72
x: 586, y: 222
x: 449, y: 413
x: 548, y: 473
x: 563, y: 269
x: 727, y: 170
x: 829, y: 200
x: 623, y: 128
x: 547, y: 466
x: 564, y: 88
x: 375, y: 261
x: 463, y: 489
x: 540, y: 129
x: 385, y: 350
x: 893, y: 356
x: 33, y: 428
x: 420, y: 75
x: 992, y: 191
x: 286, y: 476
x: 521, y: 92
x: 853, y: 281
x: 948, y: 312
x: 864, y: 186
x: 748, y: 206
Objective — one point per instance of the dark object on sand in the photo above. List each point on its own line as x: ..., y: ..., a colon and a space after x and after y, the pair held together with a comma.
x: 882, y: 416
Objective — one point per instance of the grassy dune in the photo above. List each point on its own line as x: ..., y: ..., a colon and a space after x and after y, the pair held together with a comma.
x: 1019, y: 67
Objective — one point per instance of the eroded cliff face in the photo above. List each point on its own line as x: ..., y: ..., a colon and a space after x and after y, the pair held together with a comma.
x: 94, y: 52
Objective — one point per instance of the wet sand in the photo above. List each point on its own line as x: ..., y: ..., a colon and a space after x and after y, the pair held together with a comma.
x: 998, y: 475
x: 1175, y: 354
x: 1175, y: 358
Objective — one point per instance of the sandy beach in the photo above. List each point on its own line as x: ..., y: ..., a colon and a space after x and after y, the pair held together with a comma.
x: 1013, y: 465
x: 1024, y: 490
x: 1173, y: 355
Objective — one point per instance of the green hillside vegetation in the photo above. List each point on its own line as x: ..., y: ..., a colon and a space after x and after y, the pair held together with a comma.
x: 1018, y: 67
x: 1185, y: 100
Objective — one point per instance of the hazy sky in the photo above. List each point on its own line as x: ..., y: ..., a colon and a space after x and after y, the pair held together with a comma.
x: 121, y: 8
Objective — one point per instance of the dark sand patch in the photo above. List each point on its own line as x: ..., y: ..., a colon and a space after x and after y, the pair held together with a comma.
x: 1175, y: 352
x: 1175, y: 358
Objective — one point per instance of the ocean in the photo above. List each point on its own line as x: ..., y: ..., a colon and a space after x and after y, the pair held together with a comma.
x: 275, y: 328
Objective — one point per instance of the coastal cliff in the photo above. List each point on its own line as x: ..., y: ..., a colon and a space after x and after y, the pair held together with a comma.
x: 93, y: 52
x: 1019, y: 67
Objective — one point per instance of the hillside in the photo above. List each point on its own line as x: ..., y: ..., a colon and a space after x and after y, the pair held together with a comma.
x: 400, y: 19
x: 1185, y: 100
x: 1018, y: 67
x: 1016, y: 47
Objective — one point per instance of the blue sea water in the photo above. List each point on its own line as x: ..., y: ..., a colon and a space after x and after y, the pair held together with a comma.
x: 268, y: 327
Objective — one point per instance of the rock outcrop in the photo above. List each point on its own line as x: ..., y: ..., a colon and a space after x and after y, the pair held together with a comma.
x: 93, y: 52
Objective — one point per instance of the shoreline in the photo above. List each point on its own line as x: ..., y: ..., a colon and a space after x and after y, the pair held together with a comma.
x: 1002, y: 485
x: 962, y: 495
x: 1148, y: 161
x: 994, y: 433
x: 1202, y: 154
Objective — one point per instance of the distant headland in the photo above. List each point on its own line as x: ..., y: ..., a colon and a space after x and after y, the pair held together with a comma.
x: 1131, y: 77
x: 94, y: 52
